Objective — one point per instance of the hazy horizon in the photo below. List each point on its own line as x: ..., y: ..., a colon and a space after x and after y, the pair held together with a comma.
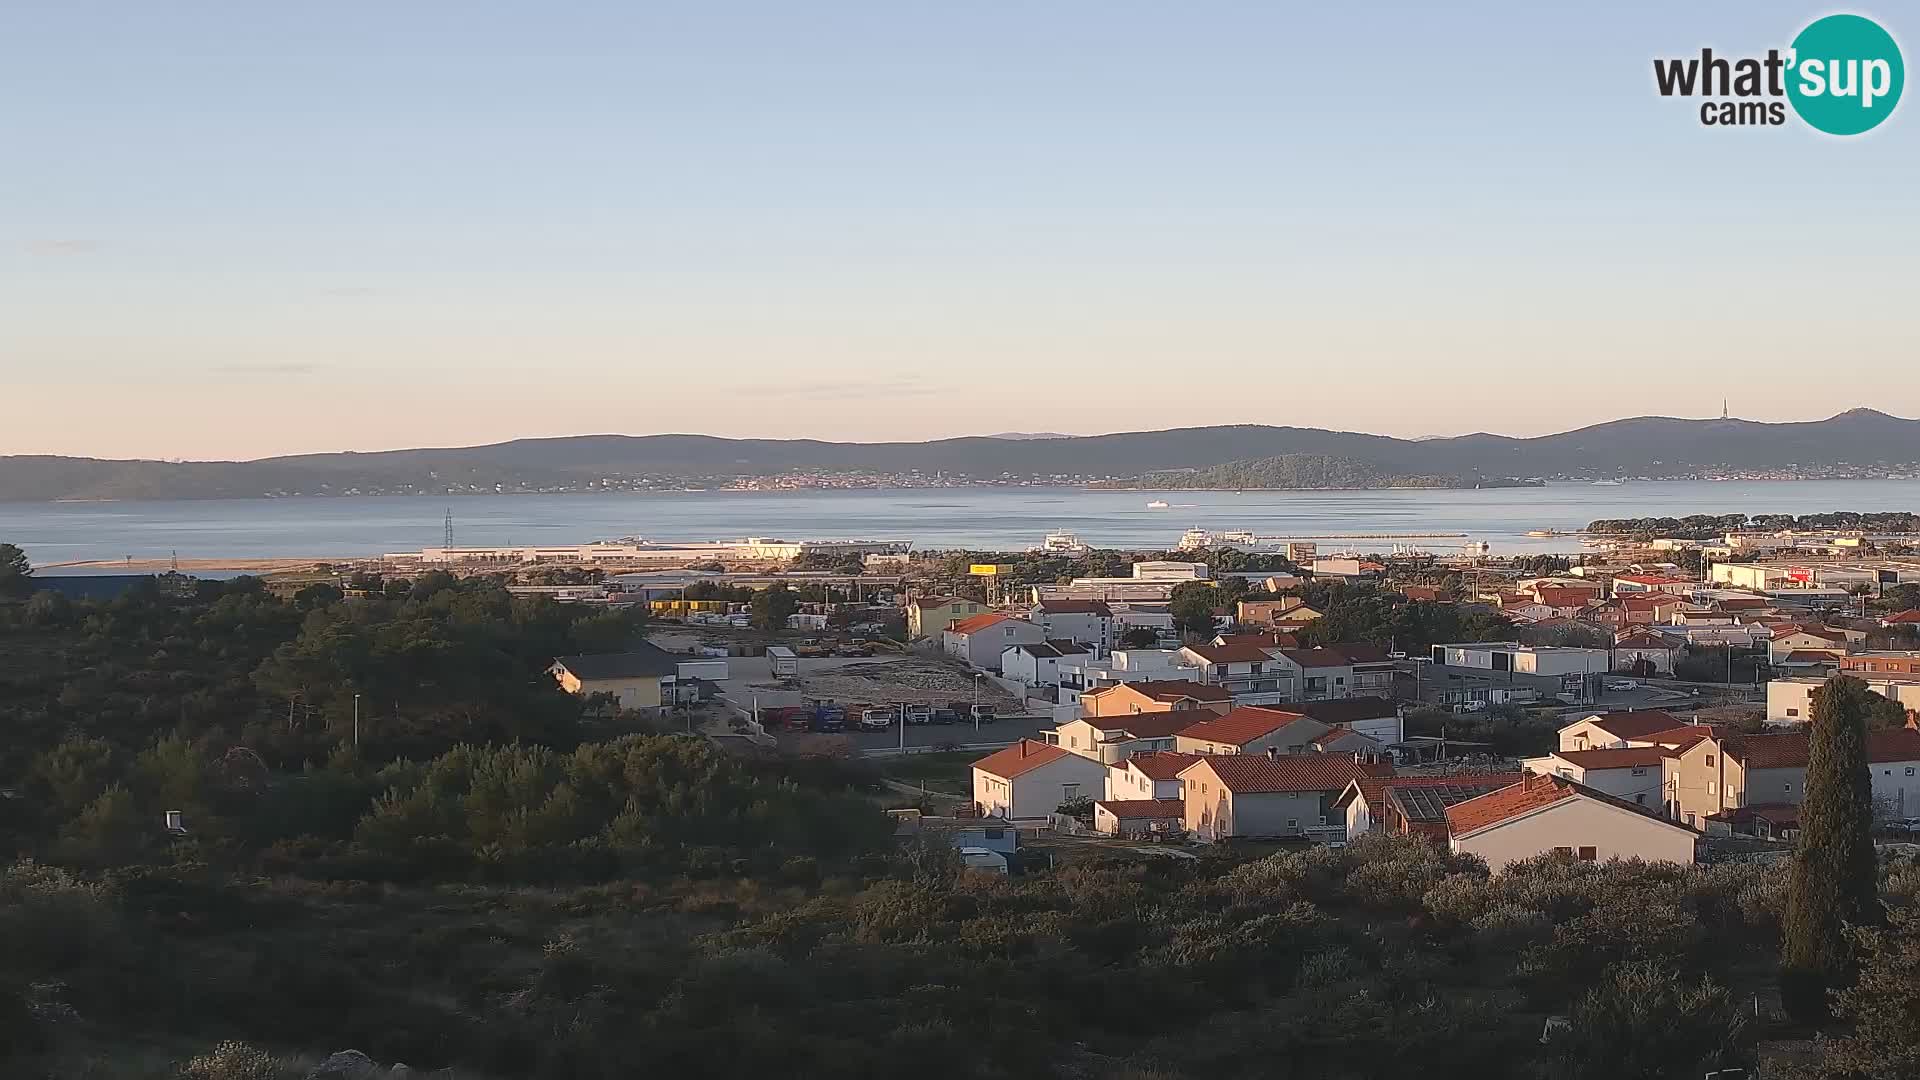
x: 230, y: 232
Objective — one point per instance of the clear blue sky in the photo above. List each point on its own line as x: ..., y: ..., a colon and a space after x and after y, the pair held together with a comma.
x: 229, y: 230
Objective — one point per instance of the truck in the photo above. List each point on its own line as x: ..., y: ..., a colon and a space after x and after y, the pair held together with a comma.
x: 829, y: 717
x: 876, y: 719
x: 813, y: 647
x: 921, y: 713
x: 784, y: 663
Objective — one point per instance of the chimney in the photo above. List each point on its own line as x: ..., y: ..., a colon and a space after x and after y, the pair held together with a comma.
x: 1273, y: 752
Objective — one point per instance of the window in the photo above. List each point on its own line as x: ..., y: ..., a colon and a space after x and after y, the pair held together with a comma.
x: 1909, y: 770
x: 1008, y: 631
x: 1069, y: 792
x: 1641, y: 798
x: 1563, y: 851
x: 1639, y: 770
x: 1787, y: 787
x: 1323, y: 819
x: 1588, y: 854
x: 1689, y: 819
x: 1793, y: 712
x: 1710, y: 788
x: 1293, y: 823
x: 1709, y: 761
x: 996, y: 834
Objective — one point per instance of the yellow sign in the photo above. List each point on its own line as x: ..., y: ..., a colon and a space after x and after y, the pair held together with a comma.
x: 981, y: 569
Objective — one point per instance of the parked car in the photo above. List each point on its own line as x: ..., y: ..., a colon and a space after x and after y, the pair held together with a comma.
x: 1621, y: 685
x: 876, y: 719
x: 1471, y: 706
x: 919, y: 714
x: 1904, y: 825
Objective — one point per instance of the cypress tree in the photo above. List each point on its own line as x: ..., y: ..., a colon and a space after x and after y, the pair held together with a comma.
x: 1835, y: 875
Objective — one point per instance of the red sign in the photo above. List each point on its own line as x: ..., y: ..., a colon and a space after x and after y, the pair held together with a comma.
x: 1799, y: 573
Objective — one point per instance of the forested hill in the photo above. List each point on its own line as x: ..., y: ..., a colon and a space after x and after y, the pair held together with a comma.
x: 1859, y: 441
x: 1288, y: 472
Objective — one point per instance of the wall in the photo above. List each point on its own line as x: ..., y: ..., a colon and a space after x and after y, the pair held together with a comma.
x: 1105, y: 822
x: 1578, y: 822
x: 633, y: 693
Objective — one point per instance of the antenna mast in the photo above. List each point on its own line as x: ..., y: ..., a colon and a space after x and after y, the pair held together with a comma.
x: 449, y: 540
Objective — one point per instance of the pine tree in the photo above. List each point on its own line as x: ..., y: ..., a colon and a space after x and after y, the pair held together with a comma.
x: 1834, y: 881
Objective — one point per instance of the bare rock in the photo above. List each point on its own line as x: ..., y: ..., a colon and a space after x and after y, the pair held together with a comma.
x: 345, y: 1065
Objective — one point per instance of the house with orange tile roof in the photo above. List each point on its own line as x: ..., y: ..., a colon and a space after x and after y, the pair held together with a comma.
x: 1794, y: 637
x: 1545, y: 813
x: 1252, y: 729
x: 1138, y: 817
x: 1392, y: 805
x: 1031, y: 779
x: 978, y: 640
x: 1255, y: 795
x: 1150, y: 774
x: 1597, y: 730
x: 1731, y: 770
x: 1155, y: 695
x: 1111, y: 739
x: 1636, y: 774
x: 1642, y: 652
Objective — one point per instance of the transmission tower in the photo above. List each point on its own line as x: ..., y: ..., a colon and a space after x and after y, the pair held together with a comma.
x: 449, y: 540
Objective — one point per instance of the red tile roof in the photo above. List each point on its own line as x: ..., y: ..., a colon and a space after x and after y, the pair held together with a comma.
x: 1648, y: 601
x: 1681, y: 738
x: 1158, y: 764
x: 1231, y: 654
x: 1173, y: 690
x: 1636, y: 725
x: 1533, y: 793
x: 1652, y: 579
x: 1811, y: 656
x: 1814, y: 631
x: 1143, y: 808
x: 1243, y: 725
x: 1630, y: 757
x: 1258, y: 774
x: 976, y: 622
x: 1161, y: 724
x: 1265, y: 641
x: 1318, y: 657
x: 1020, y: 758
x: 1789, y: 750
x: 1076, y: 607
x: 1911, y: 615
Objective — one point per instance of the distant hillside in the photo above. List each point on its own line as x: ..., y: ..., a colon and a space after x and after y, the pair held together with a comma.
x: 1860, y: 442
x: 1300, y: 472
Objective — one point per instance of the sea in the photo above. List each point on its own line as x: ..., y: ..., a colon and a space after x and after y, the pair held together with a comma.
x: 983, y: 518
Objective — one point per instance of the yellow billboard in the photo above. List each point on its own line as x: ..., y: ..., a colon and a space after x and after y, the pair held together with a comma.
x: 987, y: 569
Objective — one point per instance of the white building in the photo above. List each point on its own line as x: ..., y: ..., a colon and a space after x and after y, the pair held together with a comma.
x: 980, y: 640
x: 1088, y: 622
x: 1122, y: 666
x: 1548, y: 813
x: 1039, y: 664
x: 1790, y: 701
x: 1635, y: 774
x: 1031, y: 779
x: 1523, y: 659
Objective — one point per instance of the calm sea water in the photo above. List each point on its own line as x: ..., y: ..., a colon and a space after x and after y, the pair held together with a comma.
x: 997, y: 519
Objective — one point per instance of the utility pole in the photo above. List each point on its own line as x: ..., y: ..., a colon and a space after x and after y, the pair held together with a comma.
x: 976, y: 705
x: 903, y: 725
x: 356, y: 722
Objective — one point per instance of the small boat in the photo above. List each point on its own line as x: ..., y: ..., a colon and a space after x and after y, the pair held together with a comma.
x: 1606, y: 483
x: 1157, y: 504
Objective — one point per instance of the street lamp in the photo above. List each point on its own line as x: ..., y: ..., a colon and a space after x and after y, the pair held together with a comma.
x: 976, y: 704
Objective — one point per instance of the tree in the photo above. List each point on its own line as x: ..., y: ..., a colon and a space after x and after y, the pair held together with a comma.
x: 1191, y: 605
x: 1644, y: 1019
x: 16, y: 573
x: 1140, y: 637
x: 1833, y: 884
x: 1879, y: 1010
x: 772, y: 605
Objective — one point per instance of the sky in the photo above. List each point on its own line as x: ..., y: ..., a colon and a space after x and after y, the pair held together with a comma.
x: 232, y: 230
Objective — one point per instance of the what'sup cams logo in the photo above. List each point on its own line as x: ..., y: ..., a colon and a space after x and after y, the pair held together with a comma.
x: 1842, y: 75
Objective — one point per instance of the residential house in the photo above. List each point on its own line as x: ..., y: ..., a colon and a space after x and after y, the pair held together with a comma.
x: 1882, y: 662
x: 640, y: 678
x: 1646, y: 609
x: 1565, y: 602
x: 1528, y: 612
x: 1795, y: 637
x: 1155, y: 695
x: 1729, y: 771
x: 1031, y: 779
x: 1120, y: 666
x: 1616, y: 729
x: 1411, y: 805
x: 1426, y: 594
x: 1250, y: 671
x: 1148, y: 774
x: 1110, y: 739
x: 1338, y: 671
x: 1138, y: 817
x: 1378, y: 718
x: 1643, y: 652
x: 980, y: 640
x: 1088, y: 622
x: 1627, y: 584
x: 1253, y: 730
x: 1248, y: 795
x: 1548, y: 813
x: 1636, y: 774
x: 1041, y: 664
x: 1289, y: 609
x: 1790, y: 699
x: 1902, y: 620
x: 929, y: 615
x: 1266, y: 639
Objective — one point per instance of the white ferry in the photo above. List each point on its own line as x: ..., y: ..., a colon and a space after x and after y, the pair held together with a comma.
x: 1061, y: 543
x: 1157, y: 504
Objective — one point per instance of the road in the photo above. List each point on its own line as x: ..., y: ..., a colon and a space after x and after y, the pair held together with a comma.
x: 1005, y: 730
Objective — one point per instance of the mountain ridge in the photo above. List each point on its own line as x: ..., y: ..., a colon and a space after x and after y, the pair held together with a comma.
x: 1652, y: 446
